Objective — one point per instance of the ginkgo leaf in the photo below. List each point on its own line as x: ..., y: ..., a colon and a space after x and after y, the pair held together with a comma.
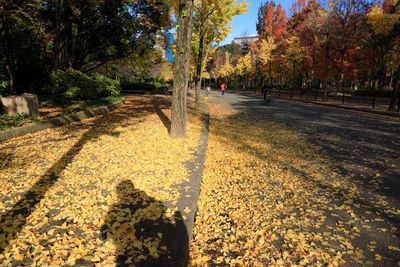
x: 394, y: 248
x: 82, y: 215
x: 270, y: 196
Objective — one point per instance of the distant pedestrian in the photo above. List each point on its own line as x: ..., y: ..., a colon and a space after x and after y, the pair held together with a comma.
x: 223, y: 88
x: 208, y: 90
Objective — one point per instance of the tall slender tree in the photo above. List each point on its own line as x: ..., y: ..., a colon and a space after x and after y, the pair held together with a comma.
x: 212, y: 20
x: 385, y: 22
x: 181, y: 70
x: 274, y: 26
x: 14, y: 14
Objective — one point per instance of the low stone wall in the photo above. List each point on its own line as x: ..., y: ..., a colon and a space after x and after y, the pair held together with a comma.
x: 25, y: 103
x: 56, y: 122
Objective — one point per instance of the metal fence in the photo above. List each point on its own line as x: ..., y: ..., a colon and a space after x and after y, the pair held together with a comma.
x: 339, y: 97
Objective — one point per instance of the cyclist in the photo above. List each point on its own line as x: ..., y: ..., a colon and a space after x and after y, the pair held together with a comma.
x: 267, y: 93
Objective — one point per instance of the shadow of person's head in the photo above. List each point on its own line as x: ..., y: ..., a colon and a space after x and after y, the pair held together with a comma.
x: 144, y: 231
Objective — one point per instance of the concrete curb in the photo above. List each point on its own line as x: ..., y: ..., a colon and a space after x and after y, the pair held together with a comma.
x: 197, y: 174
x: 58, y: 121
x: 190, y: 196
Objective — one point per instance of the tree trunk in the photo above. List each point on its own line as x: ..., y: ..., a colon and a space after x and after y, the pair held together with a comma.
x: 181, y: 69
x: 270, y: 72
x: 294, y: 76
x: 11, y: 75
x: 199, y: 68
x: 9, y: 54
x: 326, y: 70
x: 58, y: 35
x: 198, y: 90
x: 381, y: 80
x: 395, y: 92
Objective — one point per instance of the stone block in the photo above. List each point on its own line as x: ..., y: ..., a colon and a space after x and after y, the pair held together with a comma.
x: 25, y: 103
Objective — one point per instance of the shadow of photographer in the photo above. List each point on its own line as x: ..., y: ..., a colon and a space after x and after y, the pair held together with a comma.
x: 144, y: 231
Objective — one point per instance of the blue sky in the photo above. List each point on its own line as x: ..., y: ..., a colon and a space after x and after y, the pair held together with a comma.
x: 247, y: 22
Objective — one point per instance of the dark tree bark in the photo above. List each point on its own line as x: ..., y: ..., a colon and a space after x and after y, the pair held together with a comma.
x: 58, y: 35
x: 395, y: 92
x: 9, y: 55
x: 270, y: 72
x: 181, y: 69
x: 202, y: 56
x: 199, y: 69
x: 326, y: 72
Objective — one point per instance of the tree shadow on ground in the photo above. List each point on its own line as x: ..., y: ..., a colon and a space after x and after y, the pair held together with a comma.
x: 343, y: 144
x: 336, y: 204
x: 159, y: 104
x: 13, y: 221
x: 360, y: 146
x: 6, y: 159
x: 143, y: 231
x: 138, y: 107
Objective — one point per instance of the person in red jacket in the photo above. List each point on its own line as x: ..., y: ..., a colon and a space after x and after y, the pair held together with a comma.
x: 223, y: 87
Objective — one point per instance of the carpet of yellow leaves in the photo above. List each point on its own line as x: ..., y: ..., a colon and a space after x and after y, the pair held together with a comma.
x: 83, y: 194
x: 269, y: 198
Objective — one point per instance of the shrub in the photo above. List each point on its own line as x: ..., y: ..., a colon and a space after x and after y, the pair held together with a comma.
x: 7, y: 121
x: 3, y: 87
x: 73, y: 84
x: 157, y: 87
x: 109, y: 87
x: 72, y: 93
x: 137, y: 86
x: 166, y: 89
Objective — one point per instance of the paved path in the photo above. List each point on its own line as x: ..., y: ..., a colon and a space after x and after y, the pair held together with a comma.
x: 364, y: 149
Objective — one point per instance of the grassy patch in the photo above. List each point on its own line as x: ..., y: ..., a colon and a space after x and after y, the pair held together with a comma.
x: 7, y: 121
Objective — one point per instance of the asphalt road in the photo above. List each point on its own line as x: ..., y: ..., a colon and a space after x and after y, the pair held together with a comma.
x: 362, y: 147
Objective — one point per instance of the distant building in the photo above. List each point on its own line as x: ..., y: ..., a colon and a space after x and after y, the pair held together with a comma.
x: 244, y: 40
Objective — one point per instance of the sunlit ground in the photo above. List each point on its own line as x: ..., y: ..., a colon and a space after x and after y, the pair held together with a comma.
x: 270, y: 197
x: 100, y: 192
